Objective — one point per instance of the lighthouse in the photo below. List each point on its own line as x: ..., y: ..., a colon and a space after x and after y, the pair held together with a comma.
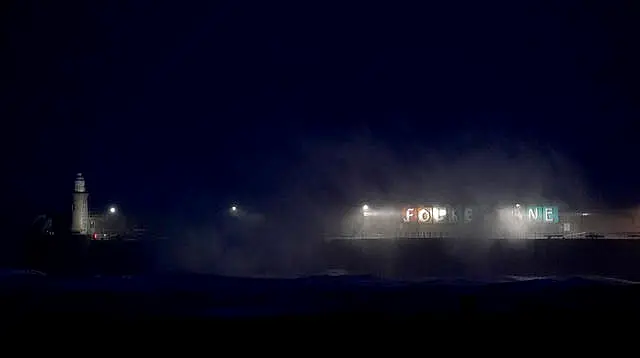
x: 80, y: 208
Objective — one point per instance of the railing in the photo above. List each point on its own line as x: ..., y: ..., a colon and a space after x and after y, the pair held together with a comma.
x: 527, y: 236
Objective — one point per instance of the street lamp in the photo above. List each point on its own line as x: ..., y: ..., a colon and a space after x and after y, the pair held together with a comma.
x: 112, y: 210
x: 234, y: 208
x: 366, y: 211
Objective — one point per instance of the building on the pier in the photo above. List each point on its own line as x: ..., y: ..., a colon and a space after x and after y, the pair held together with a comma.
x: 534, y: 221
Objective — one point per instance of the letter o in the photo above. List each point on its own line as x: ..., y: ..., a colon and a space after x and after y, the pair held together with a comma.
x: 424, y: 215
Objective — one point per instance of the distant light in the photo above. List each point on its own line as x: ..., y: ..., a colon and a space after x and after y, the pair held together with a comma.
x: 585, y: 214
x: 112, y: 210
x: 365, y: 207
x: 234, y: 208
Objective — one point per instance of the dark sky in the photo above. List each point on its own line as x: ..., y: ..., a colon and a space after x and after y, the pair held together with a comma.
x: 172, y: 109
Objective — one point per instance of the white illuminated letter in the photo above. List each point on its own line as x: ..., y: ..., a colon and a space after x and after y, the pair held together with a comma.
x: 424, y: 215
x: 408, y: 214
x: 468, y: 214
x: 453, y: 216
x: 533, y: 214
x: 548, y: 214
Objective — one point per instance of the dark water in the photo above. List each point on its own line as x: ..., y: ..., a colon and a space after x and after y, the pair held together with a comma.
x: 486, y: 258
x: 207, y: 296
x: 436, y: 278
x: 403, y: 259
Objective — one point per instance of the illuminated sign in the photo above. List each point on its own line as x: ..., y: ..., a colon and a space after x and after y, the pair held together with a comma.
x: 436, y: 215
x: 541, y: 214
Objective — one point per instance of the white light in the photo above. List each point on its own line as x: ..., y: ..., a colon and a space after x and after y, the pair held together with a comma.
x: 112, y: 210
x: 233, y: 208
x: 585, y: 214
x: 365, y: 207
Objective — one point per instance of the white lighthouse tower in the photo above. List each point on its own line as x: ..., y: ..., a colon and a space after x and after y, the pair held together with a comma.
x: 80, y: 209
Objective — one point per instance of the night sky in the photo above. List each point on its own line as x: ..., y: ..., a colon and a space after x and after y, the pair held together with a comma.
x: 173, y: 110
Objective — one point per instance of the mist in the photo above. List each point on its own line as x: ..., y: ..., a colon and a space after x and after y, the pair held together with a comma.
x: 286, y: 238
